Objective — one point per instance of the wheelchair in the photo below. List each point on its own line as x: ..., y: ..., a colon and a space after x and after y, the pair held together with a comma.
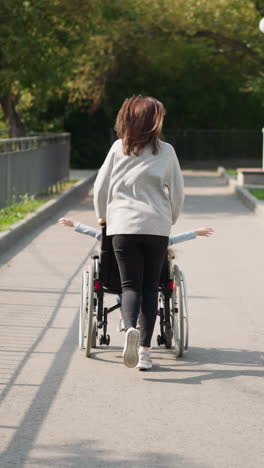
x: 102, y: 277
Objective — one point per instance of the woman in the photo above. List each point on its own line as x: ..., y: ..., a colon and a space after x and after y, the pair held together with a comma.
x: 139, y: 192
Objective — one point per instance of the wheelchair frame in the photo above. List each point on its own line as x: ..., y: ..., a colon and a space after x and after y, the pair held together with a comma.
x: 172, y: 310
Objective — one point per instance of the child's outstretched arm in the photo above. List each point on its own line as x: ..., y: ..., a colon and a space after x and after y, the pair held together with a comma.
x: 82, y: 228
x: 67, y: 222
x: 206, y: 232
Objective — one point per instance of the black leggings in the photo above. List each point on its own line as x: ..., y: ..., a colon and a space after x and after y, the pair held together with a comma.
x: 140, y: 258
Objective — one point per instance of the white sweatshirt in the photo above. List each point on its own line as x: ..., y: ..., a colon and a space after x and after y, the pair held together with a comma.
x: 139, y: 194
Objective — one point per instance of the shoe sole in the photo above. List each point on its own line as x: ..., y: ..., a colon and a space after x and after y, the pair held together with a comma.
x: 130, y: 354
x: 142, y: 368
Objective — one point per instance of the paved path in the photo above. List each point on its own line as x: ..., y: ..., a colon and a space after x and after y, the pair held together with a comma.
x: 60, y: 409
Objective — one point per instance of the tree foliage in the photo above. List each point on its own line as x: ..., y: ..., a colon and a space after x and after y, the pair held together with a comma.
x: 37, y: 40
x: 202, y: 57
x: 225, y: 33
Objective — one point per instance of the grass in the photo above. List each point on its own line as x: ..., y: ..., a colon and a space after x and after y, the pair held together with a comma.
x: 28, y: 204
x: 232, y: 171
x: 258, y: 193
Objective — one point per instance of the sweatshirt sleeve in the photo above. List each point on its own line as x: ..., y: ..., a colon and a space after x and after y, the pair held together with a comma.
x: 101, y: 185
x: 182, y: 237
x: 88, y: 230
x: 175, y: 186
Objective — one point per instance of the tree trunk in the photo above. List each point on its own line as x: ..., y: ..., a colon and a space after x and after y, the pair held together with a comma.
x: 16, y: 126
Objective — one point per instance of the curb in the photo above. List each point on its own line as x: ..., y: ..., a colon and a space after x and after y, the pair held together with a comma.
x: 246, y: 197
x: 243, y: 193
x: 34, y: 220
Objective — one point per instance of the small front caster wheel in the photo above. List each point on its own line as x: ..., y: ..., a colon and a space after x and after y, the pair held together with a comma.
x: 101, y: 340
x: 94, y: 335
x: 159, y: 340
x: 107, y: 340
x: 168, y: 337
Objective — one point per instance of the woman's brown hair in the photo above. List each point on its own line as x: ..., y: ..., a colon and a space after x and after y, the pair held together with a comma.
x: 139, y: 122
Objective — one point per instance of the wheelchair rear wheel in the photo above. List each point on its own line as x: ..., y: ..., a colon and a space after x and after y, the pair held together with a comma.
x: 177, y: 311
x: 83, y: 306
x: 94, y: 334
x: 164, y: 313
x: 90, y: 310
x: 168, y: 327
x: 86, y: 326
x: 185, y: 311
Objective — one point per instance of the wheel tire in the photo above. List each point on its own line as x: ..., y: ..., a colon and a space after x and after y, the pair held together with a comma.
x: 94, y: 335
x: 168, y: 328
x: 101, y: 340
x: 107, y: 340
x: 186, y: 311
x: 90, y: 310
x: 158, y: 340
x: 168, y: 337
x: 177, y: 312
x: 83, y: 306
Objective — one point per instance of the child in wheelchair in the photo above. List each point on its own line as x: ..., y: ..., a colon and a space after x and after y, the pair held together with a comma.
x: 91, y: 231
x: 97, y: 234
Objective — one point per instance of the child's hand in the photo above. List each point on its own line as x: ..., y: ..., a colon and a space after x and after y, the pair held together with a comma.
x: 66, y: 222
x: 207, y: 232
x: 171, y: 253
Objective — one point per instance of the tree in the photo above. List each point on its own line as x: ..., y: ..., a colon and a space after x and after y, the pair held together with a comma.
x: 203, y: 58
x: 228, y: 28
x: 80, y: 52
x: 37, y: 39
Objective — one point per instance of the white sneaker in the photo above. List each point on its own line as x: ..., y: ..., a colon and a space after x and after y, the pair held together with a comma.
x: 130, y: 353
x: 144, y: 360
x: 121, y: 326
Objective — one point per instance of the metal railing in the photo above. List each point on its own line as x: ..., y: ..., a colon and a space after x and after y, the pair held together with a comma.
x: 31, y: 165
x: 196, y: 144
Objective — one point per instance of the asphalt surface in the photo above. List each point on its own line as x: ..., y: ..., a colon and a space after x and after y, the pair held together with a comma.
x: 60, y: 409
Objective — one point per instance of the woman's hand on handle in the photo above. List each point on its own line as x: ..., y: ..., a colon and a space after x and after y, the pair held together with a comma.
x: 101, y: 221
x: 205, y: 231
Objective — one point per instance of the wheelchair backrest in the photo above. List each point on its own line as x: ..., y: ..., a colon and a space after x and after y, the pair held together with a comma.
x: 110, y: 276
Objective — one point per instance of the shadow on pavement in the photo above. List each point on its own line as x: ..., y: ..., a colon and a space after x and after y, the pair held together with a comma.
x: 85, y: 205
x: 36, y: 291
x: 245, y: 361
x: 87, y: 453
x: 98, y: 352
x: 26, y: 432
x: 47, y: 326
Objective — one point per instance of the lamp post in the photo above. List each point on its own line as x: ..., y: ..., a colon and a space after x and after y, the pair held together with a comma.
x: 261, y: 27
